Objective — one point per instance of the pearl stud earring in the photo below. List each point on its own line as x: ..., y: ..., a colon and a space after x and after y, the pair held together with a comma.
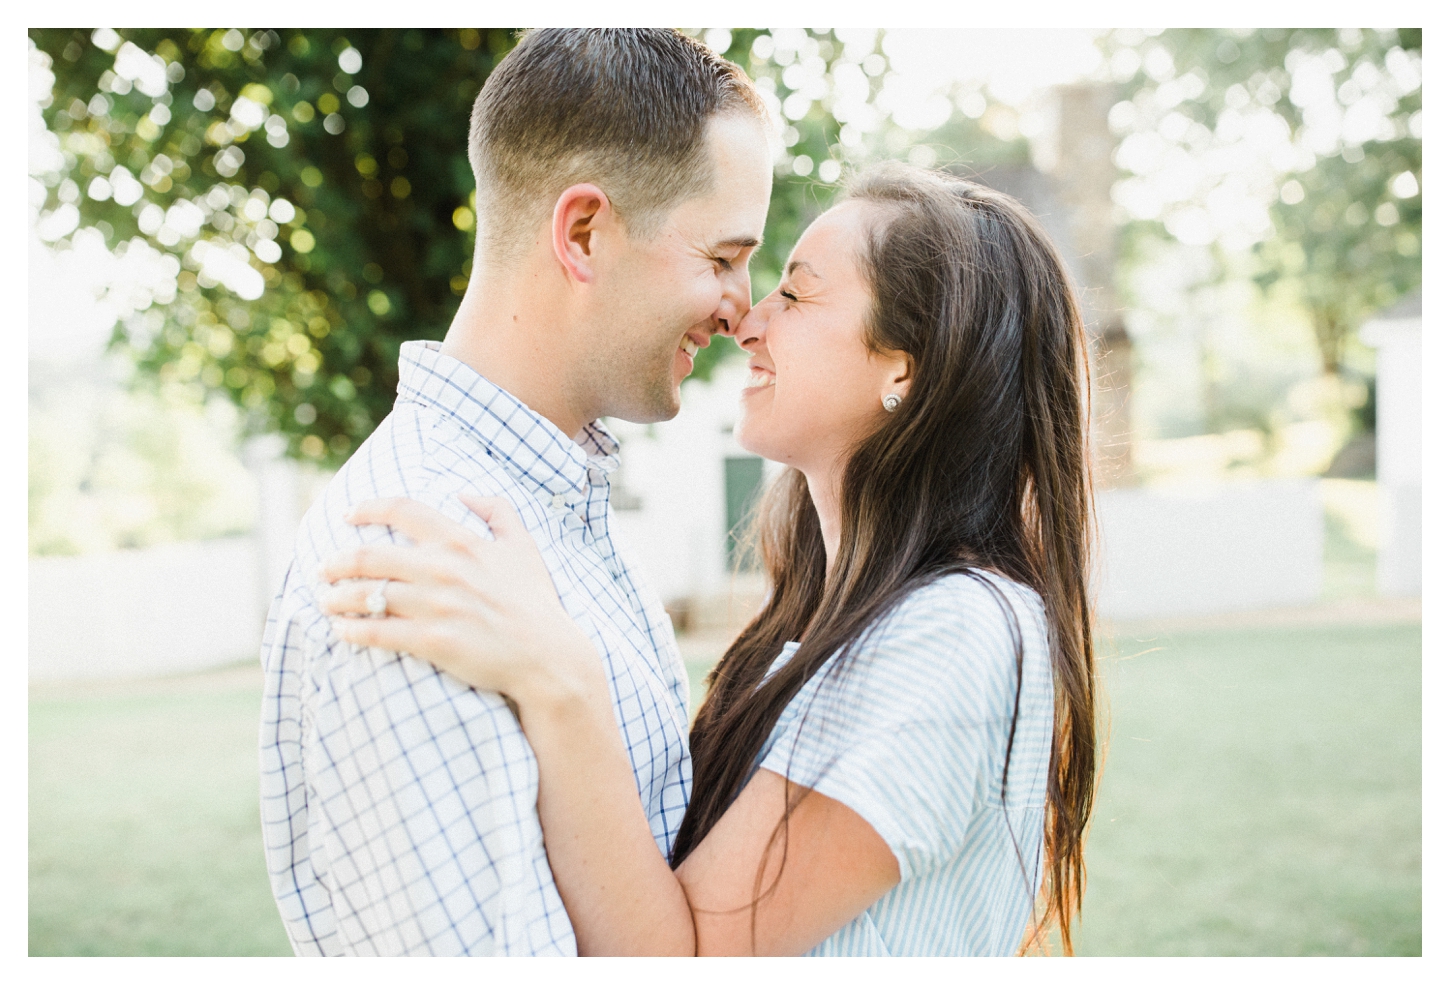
x: 891, y: 401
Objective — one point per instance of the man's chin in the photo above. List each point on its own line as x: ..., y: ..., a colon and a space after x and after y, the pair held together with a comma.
x: 656, y: 407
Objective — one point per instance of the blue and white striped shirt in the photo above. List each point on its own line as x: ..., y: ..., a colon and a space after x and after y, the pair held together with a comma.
x: 398, y: 805
x: 912, y: 736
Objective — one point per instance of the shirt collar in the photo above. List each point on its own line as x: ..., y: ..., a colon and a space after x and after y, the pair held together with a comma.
x: 523, y: 441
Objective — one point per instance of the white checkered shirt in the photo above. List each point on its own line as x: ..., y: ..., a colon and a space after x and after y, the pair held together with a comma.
x: 399, y: 805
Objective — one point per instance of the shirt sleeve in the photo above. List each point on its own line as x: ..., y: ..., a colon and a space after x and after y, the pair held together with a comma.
x: 911, y: 733
x: 422, y: 822
x: 420, y: 792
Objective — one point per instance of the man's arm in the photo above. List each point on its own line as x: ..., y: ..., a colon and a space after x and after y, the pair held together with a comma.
x: 422, y: 821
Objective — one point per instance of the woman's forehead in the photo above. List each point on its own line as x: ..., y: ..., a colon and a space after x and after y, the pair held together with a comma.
x: 832, y: 241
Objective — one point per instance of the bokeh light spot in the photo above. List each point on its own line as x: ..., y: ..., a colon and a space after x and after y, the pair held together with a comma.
x: 105, y: 38
x: 717, y: 39
x: 282, y: 211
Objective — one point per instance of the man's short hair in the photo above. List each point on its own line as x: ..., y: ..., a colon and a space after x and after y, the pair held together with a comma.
x: 625, y: 109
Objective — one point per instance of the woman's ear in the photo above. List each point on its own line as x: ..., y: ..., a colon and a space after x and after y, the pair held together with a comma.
x: 579, y: 213
x: 897, y: 370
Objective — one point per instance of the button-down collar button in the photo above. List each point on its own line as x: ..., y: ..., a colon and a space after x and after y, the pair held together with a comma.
x: 558, y: 501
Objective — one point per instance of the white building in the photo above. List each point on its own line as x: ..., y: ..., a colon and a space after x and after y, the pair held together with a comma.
x: 1395, y: 335
x: 683, y: 486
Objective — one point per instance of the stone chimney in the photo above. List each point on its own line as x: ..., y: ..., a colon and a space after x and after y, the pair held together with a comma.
x: 1083, y: 174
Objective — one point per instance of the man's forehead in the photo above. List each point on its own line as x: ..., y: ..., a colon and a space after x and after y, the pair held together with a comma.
x: 729, y: 215
x: 720, y: 222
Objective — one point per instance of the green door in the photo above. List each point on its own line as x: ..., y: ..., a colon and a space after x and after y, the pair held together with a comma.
x: 742, y: 488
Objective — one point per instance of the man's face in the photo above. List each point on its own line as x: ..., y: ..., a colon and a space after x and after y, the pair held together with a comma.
x: 668, y: 295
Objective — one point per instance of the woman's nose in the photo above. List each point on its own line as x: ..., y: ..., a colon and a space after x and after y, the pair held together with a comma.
x: 751, y: 328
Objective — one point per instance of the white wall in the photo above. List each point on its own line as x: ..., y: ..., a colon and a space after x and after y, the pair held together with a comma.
x: 162, y: 610
x: 1228, y: 548
x: 175, y: 607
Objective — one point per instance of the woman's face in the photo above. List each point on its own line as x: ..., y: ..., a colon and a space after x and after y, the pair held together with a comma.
x: 815, y: 388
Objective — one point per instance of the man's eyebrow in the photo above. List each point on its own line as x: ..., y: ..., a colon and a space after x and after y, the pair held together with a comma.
x: 738, y: 242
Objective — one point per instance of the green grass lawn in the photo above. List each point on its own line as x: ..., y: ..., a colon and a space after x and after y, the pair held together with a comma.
x: 1261, y: 795
x: 145, y: 834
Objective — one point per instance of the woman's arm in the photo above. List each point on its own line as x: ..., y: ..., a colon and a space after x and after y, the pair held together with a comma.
x: 488, y: 613
x: 835, y: 866
x: 620, y: 892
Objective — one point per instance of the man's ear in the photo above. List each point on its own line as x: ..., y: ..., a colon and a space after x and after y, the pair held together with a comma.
x: 579, y: 213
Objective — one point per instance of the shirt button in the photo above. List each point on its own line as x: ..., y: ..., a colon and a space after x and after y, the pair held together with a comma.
x: 558, y: 501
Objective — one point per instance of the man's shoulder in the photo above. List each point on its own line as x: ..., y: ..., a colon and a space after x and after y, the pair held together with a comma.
x: 414, y: 452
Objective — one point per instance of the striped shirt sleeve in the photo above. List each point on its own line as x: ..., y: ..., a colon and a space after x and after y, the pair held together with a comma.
x: 911, y: 732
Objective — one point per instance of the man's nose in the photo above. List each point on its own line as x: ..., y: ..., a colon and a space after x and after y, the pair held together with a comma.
x: 734, y: 304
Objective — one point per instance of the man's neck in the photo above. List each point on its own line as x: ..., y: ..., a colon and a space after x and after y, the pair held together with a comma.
x: 518, y: 347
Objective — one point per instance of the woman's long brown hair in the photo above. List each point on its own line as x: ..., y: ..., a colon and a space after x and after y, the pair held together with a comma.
x: 983, y: 467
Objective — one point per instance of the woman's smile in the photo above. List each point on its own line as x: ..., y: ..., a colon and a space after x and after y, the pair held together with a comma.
x: 759, y: 379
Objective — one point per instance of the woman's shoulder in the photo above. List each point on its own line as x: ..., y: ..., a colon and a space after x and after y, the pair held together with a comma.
x: 975, y: 604
x: 957, y: 639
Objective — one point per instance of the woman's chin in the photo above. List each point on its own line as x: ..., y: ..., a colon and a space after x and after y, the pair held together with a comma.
x: 750, y: 435
x: 745, y: 436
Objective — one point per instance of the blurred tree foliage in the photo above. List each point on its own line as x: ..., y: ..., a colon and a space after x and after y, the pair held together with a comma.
x: 309, y: 192
x: 826, y: 87
x: 1343, y: 108
x: 313, y: 187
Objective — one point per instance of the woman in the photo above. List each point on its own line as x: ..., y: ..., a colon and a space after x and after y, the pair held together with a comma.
x: 902, y: 740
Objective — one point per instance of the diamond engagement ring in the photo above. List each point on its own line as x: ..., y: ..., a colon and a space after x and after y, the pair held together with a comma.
x: 377, y: 601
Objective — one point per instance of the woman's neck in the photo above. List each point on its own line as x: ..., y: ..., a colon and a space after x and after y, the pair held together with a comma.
x: 825, y: 489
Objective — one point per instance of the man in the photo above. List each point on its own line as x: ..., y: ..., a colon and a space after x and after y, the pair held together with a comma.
x: 623, y: 181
